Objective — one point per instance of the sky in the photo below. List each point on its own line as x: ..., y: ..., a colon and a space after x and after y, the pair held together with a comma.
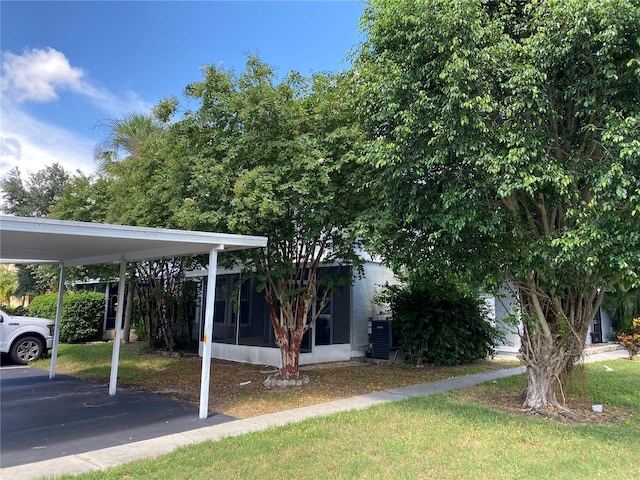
x: 68, y: 67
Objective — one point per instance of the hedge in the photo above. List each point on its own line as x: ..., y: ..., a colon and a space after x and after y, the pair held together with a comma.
x: 82, y: 314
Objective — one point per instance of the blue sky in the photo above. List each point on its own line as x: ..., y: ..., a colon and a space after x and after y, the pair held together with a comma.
x: 66, y: 66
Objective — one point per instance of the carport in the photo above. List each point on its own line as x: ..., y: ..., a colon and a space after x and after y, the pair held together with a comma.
x: 66, y: 243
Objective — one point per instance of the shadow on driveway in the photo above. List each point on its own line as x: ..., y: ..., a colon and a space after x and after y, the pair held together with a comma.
x: 42, y: 419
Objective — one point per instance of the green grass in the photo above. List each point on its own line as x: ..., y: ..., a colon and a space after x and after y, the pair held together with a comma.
x: 93, y: 362
x: 445, y: 436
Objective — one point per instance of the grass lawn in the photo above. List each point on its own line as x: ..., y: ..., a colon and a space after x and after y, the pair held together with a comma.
x: 457, y: 435
x: 446, y: 436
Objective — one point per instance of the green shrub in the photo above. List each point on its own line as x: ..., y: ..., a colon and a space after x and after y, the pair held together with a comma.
x: 439, y: 324
x: 44, y: 306
x: 18, y: 311
x: 82, y: 315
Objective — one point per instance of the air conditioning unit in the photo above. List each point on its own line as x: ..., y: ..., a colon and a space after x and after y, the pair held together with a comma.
x: 381, y: 339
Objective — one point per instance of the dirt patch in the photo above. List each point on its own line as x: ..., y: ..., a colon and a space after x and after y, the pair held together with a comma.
x: 237, y: 389
x: 574, y: 409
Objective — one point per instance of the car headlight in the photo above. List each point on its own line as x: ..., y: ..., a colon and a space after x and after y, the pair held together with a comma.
x: 52, y: 329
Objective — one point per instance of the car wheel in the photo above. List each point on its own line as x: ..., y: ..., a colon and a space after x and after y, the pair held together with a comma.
x: 26, y: 349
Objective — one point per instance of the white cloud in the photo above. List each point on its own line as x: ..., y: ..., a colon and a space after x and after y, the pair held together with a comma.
x: 31, y: 145
x: 10, y: 147
x: 37, y: 74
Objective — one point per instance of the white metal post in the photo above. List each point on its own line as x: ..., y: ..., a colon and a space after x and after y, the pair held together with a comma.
x: 115, y: 356
x: 56, y: 334
x: 208, y: 332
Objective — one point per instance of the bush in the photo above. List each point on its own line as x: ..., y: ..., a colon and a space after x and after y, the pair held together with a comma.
x: 18, y: 311
x: 439, y: 324
x: 82, y: 315
x: 630, y: 340
x: 44, y: 306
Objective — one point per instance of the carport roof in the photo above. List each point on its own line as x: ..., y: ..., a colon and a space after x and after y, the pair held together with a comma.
x: 38, y: 240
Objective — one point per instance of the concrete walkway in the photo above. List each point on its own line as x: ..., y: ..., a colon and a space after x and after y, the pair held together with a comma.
x: 114, y: 456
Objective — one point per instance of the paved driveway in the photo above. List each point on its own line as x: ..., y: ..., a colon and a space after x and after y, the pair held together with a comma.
x: 41, y: 419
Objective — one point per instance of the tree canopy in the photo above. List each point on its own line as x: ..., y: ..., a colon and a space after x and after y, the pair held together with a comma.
x: 507, y: 137
x: 126, y: 191
x: 258, y: 155
x: 272, y: 158
x: 35, y: 195
x: 8, y: 284
x: 503, y: 145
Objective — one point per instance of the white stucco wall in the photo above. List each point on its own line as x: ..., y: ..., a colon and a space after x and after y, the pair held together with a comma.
x: 607, y: 325
x: 271, y: 356
x: 504, y: 304
x: 363, y: 306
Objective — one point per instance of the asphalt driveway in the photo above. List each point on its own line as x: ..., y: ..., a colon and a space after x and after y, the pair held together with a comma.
x: 41, y: 419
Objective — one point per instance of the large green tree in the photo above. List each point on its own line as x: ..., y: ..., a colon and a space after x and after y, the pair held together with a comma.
x: 120, y: 193
x: 8, y: 284
x: 85, y: 199
x: 506, y: 137
x: 266, y: 157
x: 35, y: 195
x: 125, y: 137
x: 123, y: 193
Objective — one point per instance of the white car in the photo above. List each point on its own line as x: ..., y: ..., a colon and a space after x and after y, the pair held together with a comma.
x: 25, y: 338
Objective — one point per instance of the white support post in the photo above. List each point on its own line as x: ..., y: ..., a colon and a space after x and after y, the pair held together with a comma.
x: 208, y: 333
x: 117, y: 339
x: 56, y: 334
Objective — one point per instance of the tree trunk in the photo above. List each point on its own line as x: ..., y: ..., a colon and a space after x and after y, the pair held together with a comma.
x: 290, y: 352
x: 291, y: 314
x: 126, y: 329
x: 542, y: 378
x: 289, y: 340
x: 554, y: 328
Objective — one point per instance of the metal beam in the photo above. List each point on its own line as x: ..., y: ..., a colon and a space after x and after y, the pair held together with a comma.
x: 208, y: 333
x: 117, y: 339
x: 56, y: 334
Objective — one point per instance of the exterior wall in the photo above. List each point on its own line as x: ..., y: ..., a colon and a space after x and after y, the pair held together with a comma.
x: 271, y: 356
x: 504, y: 304
x: 358, y: 304
x: 364, y: 307
x: 606, y: 326
x: 245, y: 354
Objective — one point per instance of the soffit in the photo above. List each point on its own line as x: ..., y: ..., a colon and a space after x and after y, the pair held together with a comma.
x: 38, y: 240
